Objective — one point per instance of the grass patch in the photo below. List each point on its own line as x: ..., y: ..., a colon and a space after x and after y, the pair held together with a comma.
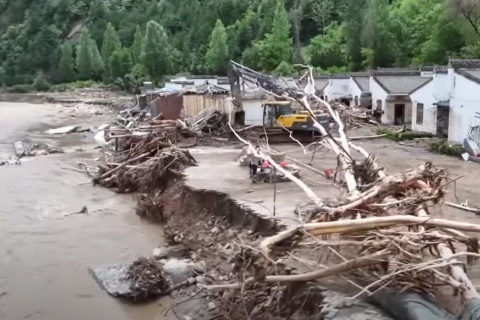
x: 403, y: 135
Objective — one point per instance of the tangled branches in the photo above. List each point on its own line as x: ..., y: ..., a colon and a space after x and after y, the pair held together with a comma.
x: 147, y: 280
x: 144, y: 157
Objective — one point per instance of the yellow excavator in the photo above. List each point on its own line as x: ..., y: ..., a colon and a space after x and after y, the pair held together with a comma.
x: 280, y: 121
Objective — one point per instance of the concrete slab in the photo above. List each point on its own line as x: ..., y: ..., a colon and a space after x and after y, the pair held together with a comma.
x: 218, y: 170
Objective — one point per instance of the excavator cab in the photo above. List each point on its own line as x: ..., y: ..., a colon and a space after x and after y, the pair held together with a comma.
x: 275, y: 111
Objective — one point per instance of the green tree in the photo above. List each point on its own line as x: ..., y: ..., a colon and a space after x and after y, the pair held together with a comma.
x: 327, y: 50
x: 284, y: 69
x: 111, y: 43
x: 66, y: 66
x: 216, y: 59
x: 137, y: 46
x: 277, y: 45
x: 120, y: 63
x: 96, y: 59
x: 156, y: 51
x: 375, y: 35
x: 84, y: 57
x: 352, y: 29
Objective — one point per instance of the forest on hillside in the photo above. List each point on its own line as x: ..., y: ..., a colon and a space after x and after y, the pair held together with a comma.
x: 126, y: 41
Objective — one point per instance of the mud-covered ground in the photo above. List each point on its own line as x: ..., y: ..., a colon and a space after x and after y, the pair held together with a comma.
x: 45, y: 255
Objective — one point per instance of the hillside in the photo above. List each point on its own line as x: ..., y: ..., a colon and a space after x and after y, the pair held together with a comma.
x: 67, y: 40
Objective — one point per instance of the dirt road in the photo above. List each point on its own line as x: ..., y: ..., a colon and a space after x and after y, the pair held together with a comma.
x: 45, y: 256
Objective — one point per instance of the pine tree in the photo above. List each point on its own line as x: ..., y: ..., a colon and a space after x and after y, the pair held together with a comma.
x: 277, y: 46
x: 137, y: 46
x: 111, y: 43
x: 120, y: 63
x: 66, y: 65
x: 84, y: 58
x: 96, y: 58
x: 156, y: 51
x: 216, y: 59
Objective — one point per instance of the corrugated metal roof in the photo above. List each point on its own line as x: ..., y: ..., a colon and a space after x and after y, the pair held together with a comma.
x: 205, y: 89
x: 401, y: 84
x: 363, y: 83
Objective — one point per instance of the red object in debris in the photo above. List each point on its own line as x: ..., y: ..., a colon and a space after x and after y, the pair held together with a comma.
x: 265, y: 164
x: 283, y: 164
x: 329, y: 174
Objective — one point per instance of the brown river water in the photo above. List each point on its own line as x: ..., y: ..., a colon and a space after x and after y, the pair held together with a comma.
x: 45, y: 256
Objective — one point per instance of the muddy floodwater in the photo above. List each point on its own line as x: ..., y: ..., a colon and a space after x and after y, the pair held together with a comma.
x: 45, y: 255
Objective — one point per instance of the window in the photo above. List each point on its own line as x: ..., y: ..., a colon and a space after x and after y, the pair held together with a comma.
x: 419, y: 113
x: 356, y: 100
x: 379, y: 105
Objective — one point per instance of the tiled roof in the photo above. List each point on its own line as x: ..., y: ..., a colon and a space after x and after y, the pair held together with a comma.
x: 340, y: 76
x: 404, y: 72
x: 321, y: 76
x: 401, y: 84
x: 472, y: 74
x: 363, y: 83
x: 401, y: 70
x: 360, y: 74
x: 440, y: 69
x: 320, y: 84
x: 470, y: 63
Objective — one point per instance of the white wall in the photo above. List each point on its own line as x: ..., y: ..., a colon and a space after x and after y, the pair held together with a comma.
x: 464, y: 102
x: 253, y: 112
x: 355, y: 91
x: 337, y: 88
x: 426, y: 96
x: 173, y: 85
x: 379, y: 94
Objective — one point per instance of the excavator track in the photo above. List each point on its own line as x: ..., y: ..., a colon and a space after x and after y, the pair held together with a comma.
x: 283, y: 136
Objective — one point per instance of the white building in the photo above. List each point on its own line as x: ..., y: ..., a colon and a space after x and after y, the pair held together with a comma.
x: 464, y: 81
x: 447, y: 107
x: 321, y: 83
x: 391, y: 94
x: 360, y: 89
x: 338, y: 87
x: 429, y: 104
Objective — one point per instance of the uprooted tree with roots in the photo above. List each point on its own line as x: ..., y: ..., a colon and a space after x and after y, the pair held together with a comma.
x: 380, y: 230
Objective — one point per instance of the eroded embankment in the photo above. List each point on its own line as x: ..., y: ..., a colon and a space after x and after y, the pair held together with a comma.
x: 224, y: 233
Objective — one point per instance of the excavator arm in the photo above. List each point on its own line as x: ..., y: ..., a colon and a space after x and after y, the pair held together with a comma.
x: 237, y: 72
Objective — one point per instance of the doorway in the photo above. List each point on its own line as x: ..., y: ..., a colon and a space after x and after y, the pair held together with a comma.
x: 399, y: 114
x: 345, y: 101
x: 443, y: 118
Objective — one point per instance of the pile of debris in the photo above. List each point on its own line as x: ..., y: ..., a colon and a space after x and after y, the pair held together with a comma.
x: 209, y: 121
x: 353, y: 117
x: 141, y: 152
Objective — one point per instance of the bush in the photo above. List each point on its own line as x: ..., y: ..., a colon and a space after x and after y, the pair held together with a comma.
x: 40, y: 83
x: 81, y: 84
x: 443, y: 147
x: 20, y: 88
